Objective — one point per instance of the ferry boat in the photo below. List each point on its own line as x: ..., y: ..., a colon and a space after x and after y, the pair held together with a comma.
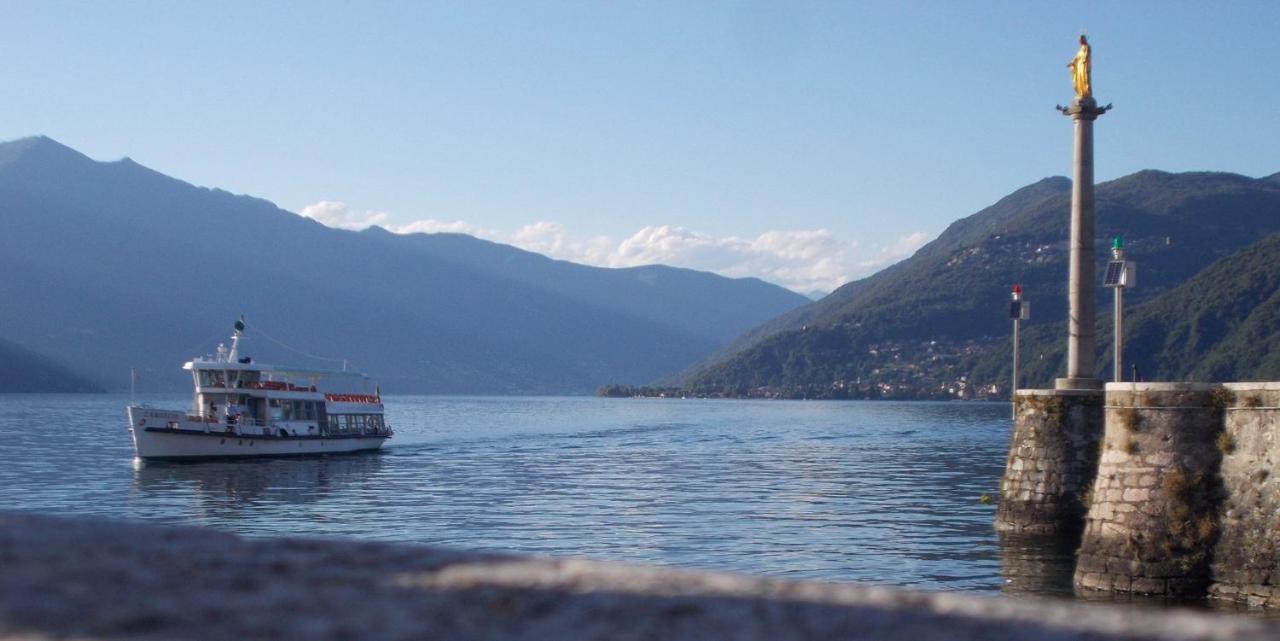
x: 242, y: 408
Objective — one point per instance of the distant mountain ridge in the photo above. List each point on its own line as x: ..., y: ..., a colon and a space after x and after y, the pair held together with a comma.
x: 914, y: 329
x: 110, y: 265
x: 22, y: 370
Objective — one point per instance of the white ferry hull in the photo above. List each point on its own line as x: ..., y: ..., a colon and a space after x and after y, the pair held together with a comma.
x: 169, y: 443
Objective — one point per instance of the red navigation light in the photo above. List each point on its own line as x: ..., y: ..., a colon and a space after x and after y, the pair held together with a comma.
x: 1017, y: 289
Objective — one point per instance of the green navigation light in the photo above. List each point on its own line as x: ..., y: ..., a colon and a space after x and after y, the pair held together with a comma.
x: 1118, y: 243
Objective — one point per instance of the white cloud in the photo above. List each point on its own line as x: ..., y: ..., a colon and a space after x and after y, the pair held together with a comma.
x: 811, y: 260
x: 433, y: 226
x: 901, y: 248
x: 334, y: 213
x: 805, y: 260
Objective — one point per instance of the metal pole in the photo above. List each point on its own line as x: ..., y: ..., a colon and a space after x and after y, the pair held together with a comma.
x: 1018, y: 310
x: 1118, y: 366
x: 1017, y: 354
x: 1017, y: 362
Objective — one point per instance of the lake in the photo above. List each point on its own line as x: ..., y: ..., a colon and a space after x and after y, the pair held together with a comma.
x: 877, y: 492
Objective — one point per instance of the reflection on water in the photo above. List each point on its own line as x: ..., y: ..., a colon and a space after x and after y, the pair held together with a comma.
x: 874, y: 492
x: 1037, y: 566
x: 227, y: 488
x: 1034, y: 566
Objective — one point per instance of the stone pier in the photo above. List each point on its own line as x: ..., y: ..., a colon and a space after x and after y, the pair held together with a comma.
x: 1053, y: 454
x: 1246, y: 559
x: 1181, y: 495
x: 1184, y: 503
x: 1152, y: 521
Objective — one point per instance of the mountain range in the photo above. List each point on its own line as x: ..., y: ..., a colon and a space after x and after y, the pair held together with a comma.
x: 935, y: 325
x: 109, y: 266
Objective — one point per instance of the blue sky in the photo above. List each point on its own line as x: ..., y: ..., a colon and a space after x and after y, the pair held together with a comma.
x: 805, y: 143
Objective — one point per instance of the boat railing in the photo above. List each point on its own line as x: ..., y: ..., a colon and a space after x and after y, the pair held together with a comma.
x: 218, y: 420
x: 277, y: 386
x: 244, y: 424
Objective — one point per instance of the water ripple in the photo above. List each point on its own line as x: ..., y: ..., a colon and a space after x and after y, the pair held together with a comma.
x: 873, y: 492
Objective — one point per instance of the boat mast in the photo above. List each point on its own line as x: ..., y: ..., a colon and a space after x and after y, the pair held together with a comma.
x: 234, y: 355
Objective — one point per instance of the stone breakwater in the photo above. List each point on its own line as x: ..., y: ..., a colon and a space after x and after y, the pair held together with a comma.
x: 97, y: 579
x: 1182, y: 502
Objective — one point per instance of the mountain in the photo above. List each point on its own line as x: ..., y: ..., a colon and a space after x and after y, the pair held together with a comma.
x: 1223, y: 324
x: 22, y: 370
x: 917, y: 328
x: 668, y: 295
x: 111, y: 265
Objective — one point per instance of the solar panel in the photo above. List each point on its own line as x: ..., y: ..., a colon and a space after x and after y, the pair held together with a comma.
x: 1115, y: 274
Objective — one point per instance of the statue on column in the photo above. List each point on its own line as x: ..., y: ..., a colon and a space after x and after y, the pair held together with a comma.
x: 1081, y: 70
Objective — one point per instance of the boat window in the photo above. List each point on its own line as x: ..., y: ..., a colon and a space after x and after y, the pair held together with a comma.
x: 250, y: 377
x: 216, y: 378
x: 233, y: 378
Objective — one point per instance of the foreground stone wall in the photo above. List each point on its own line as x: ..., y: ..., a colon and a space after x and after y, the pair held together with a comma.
x: 93, y: 579
x: 1053, y: 456
x: 1246, y: 563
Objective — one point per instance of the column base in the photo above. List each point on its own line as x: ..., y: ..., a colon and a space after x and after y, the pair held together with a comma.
x: 1078, y: 383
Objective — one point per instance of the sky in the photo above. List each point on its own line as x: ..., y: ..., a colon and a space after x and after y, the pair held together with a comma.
x: 807, y: 144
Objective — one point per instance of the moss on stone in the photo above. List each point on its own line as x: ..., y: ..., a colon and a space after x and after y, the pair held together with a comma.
x: 1221, y: 398
x: 1226, y: 443
x: 1129, y: 418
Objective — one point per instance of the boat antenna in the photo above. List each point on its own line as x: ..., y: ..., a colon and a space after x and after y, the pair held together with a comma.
x: 235, y: 340
x: 133, y: 383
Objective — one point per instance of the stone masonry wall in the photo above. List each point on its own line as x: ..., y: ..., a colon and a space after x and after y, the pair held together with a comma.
x: 1152, y: 519
x: 1246, y: 561
x: 1053, y: 455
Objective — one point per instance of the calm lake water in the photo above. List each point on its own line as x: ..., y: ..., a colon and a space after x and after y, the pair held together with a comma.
x: 877, y: 492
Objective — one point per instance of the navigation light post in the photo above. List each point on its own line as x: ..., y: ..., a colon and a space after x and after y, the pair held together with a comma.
x: 1120, y: 274
x: 1019, y: 310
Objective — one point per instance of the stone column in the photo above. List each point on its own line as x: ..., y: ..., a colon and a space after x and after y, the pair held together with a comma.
x: 1081, y: 290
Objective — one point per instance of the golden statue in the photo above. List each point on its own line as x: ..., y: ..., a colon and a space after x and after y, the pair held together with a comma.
x: 1081, y: 70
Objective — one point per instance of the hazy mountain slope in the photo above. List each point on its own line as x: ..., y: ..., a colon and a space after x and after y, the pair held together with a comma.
x: 114, y: 265
x: 916, y: 323
x: 22, y: 370
x: 698, y: 303
x: 971, y: 229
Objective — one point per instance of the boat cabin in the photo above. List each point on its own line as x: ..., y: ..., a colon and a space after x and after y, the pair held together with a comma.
x: 244, y: 397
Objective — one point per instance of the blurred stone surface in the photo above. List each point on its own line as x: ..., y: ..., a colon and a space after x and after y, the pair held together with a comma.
x: 88, y: 578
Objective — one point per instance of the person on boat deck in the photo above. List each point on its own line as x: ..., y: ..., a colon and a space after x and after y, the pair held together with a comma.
x: 233, y: 413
